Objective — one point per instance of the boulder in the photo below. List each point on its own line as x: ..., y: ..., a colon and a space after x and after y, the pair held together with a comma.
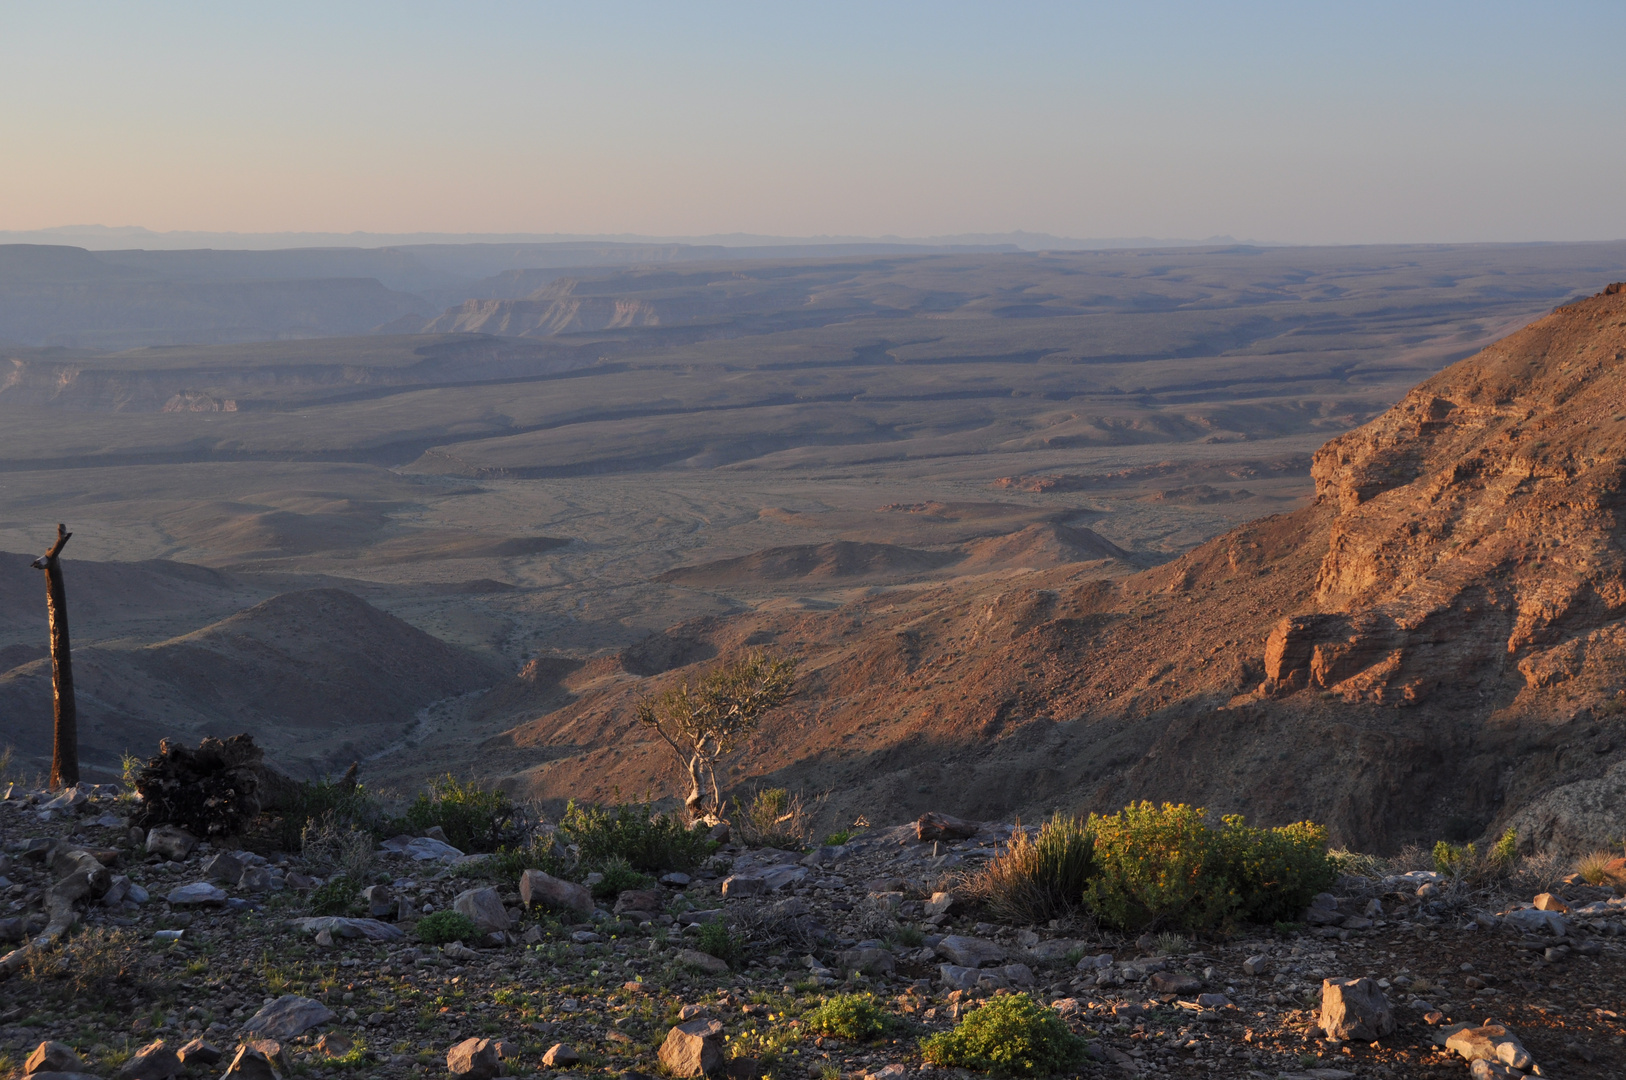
x: 172, y: 843
x: 1491, y: 1042
x: 737, y: 885
x: 940, y: 903
x: 933, y: 826
x: 380, y: 901
x: 560, y: 1056
x: 704, y: 961
x: 155, y: 1061
x: 255, y: 879
x: 1354, y: 1009
x: 288, y: 1016
x: 272, y: 1050
x: 1089, y: 963
x: 53, y: 1057
x: 337, y: 926
x: 1174, y: 982
x: 693, y: 1049
x: 197, y: 894
x: 250, y: 1064
x: 199, y: 1053
x: 1493, y: 1070
x: 1256, y: 965
x: 484, y: 907
x: 474, y: 1058
x: 650, y: 900
x: 535, y: 887
x: 868, y: 961
x: 1548, y: 902
x: 223, y: 869
x: 969, y: 951
x: 1534, y: 920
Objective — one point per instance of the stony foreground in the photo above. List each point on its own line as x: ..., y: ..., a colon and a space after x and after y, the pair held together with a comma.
x: 209, y: 953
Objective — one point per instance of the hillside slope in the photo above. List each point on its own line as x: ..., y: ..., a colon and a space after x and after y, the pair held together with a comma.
x: 1432, y: 648
x: 318, y: 677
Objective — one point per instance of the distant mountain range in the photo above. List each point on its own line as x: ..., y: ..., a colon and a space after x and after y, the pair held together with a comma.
x: 112, y: 238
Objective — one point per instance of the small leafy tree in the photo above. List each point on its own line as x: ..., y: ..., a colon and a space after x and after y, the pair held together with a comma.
x: 705, y: 722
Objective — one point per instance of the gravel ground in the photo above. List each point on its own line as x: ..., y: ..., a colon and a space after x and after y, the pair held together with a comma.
x: 610, y: 987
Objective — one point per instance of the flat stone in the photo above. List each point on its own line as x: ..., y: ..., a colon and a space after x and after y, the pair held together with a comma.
x: 155, y: 1061
x: 1213, y: 1001
x: 197, y: 894
x: 650, y: 900
x: 1534, y: 920
x: 334, y: 1044
x: 484, y: 907
x: 969, y: 951
x: 1493, y: 1070
x: 288, y: 1016
x: 1354, y: 1009
x: 1089, y: 963
x: 675, y: 879
x: 536, y: 887
x: 693, y: 1048
x: 338, y: 926
x: 1491, y: 1042
x: 704, y: 961
x: 474, y: 1058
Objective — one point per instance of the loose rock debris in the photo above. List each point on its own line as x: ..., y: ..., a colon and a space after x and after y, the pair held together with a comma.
x: 1501, y: 985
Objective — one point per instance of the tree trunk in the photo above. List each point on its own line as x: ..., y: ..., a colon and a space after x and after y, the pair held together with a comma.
x: 65, y: 744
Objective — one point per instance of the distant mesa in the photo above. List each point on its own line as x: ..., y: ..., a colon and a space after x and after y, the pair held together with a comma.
x: 1199, y: 495
x: 841, y: 560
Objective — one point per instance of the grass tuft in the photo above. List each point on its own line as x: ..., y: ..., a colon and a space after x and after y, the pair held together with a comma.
x: 1040, y: 877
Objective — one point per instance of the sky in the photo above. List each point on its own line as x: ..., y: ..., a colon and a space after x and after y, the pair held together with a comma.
x: 1303, y: 122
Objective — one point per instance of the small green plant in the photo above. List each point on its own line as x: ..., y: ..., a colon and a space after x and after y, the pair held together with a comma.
x: 619, y: 876
x: 716, y: 939
x: 910, y: 936
x: 440, y: 927
x: 129, y: 766
x: 650, y: 842
x: 340, y: 896
x: 848, y: 1016
x: 1040, y: 877
x: 539, y: 853
x: 1454, y: 860
x: 1172, y: 944
x: 1506, y: 849
x: 839, y: 837
x: 1011, y: 1034
x: 474, y: 819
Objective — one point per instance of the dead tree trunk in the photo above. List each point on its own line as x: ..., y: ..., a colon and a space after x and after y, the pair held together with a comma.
x: 65, y: 744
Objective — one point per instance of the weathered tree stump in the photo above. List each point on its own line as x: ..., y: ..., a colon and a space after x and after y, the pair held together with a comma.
x: 65, y: 729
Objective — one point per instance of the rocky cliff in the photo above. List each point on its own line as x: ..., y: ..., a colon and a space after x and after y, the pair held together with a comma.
x: 1432, y: 648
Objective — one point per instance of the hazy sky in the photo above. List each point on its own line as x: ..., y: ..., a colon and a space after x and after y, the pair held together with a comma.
x: 1294, y: 122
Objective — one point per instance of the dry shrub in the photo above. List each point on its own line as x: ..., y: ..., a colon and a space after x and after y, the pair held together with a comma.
x: 1595, y: 869
x: 1039, y: 877
x: 1539, y: 871
x: 333, y: 844
x: 91, y: 963
x: 776, y: 818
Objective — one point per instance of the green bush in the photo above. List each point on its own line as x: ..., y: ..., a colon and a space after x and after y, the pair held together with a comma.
x: 1275, y: 872
x: 439, y: 927
x: 619, y: 876
x: 1011, y: 1034
x: 650, y: 842
x: 1038, y: 878
x: 541, y: 853
x: 340, y: 896
x: 473, y: 818
x: 848, y: 1016
x: 1506, y: 849
x: 1452, y: 860
x: 1165, y: 867
x: 716, y: 939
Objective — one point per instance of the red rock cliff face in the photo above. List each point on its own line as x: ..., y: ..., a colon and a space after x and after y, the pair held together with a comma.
x: 1478, y: 525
